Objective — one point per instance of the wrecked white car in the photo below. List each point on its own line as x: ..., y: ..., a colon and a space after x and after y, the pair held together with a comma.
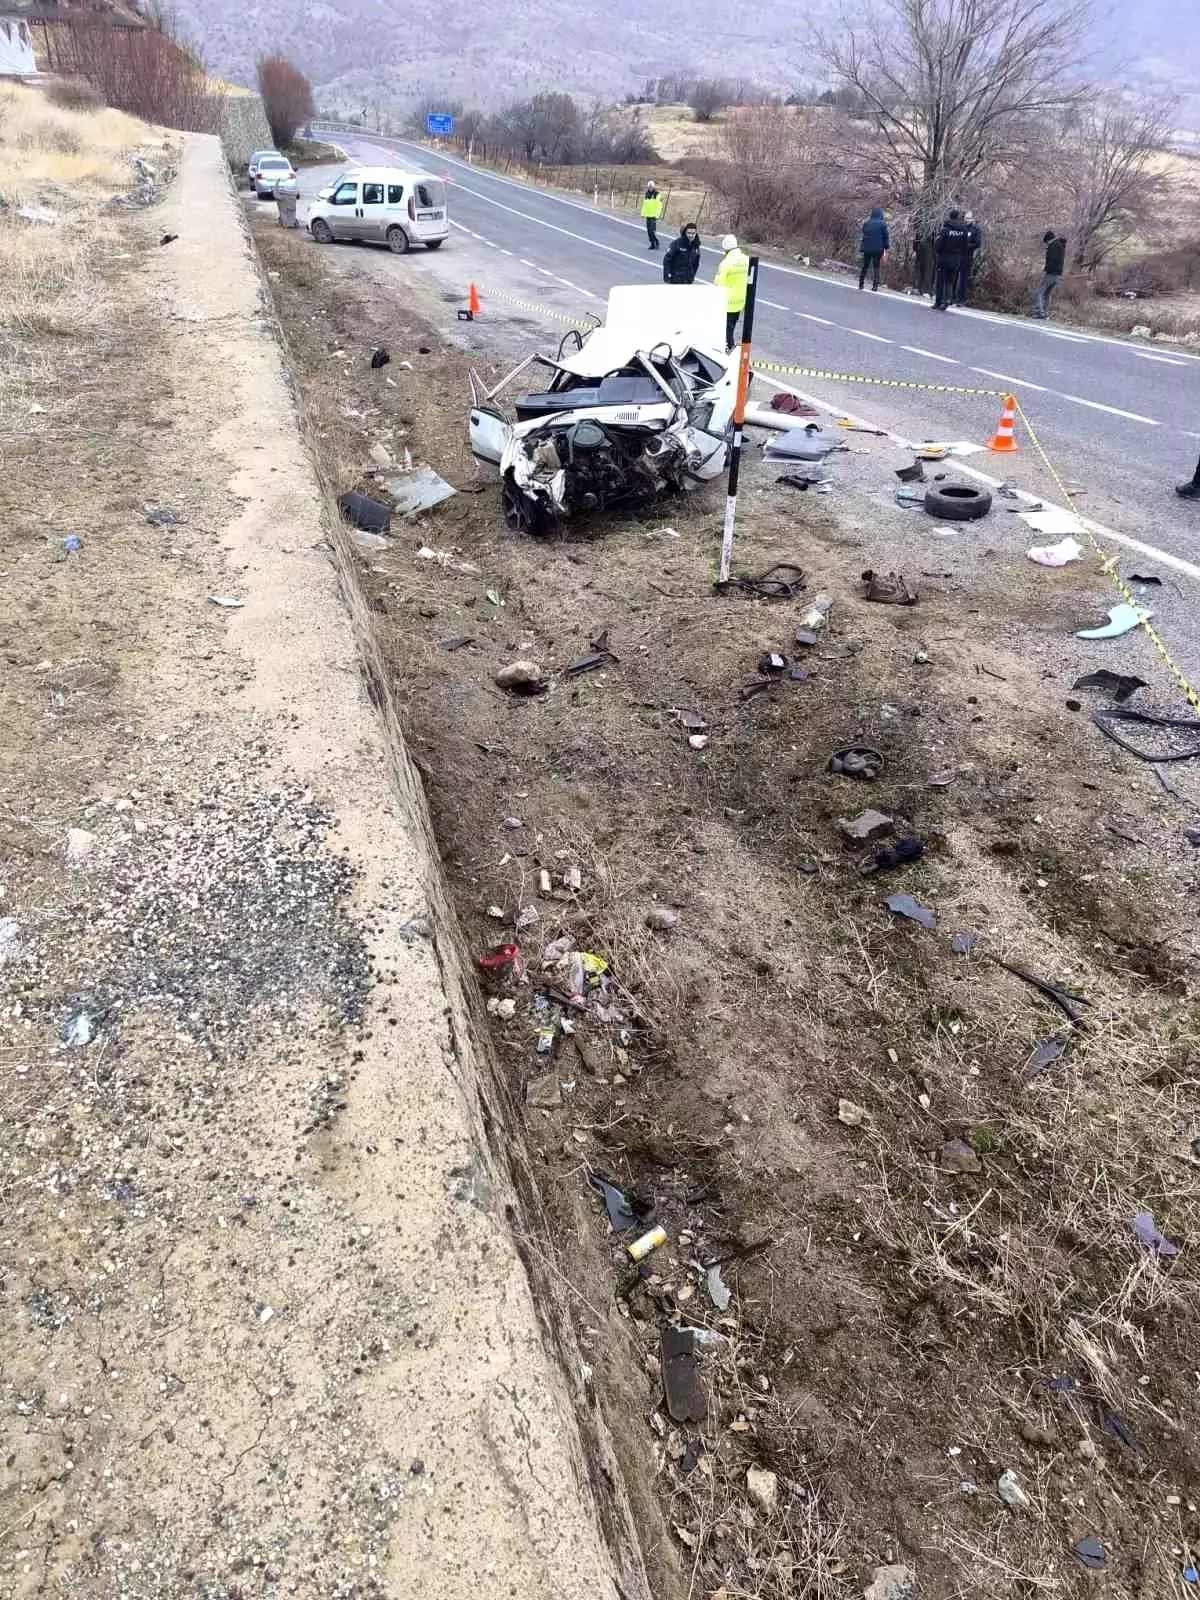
x: 635, y: 409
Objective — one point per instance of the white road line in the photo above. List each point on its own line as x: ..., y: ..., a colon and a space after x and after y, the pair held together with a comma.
x: 1016, y: 383
x: 1167, y: 361
x: 863, y: 334
x: 1070, y: 338
x: 505, y: 252
x: 930, y: 355
x: 523, y: 261
x: 1113, y: 411
x: 809, y: 317
x: 774, y: 305
x: 1176, y: 563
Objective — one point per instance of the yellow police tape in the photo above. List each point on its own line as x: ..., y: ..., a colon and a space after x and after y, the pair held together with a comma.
x: 1108, y: 563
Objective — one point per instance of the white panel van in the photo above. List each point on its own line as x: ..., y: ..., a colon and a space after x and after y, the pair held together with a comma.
x: 382, y: 205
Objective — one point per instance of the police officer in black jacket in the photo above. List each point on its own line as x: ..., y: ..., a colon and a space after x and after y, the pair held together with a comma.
x: 950, y: 251
x: 682, y: 260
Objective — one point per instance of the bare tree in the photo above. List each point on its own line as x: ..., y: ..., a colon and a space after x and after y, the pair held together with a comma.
x: 286, y: 95
x: 706, y: 97
x: 945, y: 81
x: 1106, y: 151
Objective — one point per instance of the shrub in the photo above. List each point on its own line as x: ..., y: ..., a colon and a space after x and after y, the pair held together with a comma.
x: 73, y: 94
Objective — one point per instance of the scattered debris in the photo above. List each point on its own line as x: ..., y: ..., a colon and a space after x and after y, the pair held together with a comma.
x: 857, y: 761
x: 866, y: 826
x: 906, y: 849
x: 39, y: 214
x: 913, y: 499
x: 78, y: 1030
x: 504, y: 1009
x: 912, y: 474
x: 772, y: 664
x: 72, y: 544
x: 1117, y: 684
x: 963, y: 943
x: 646, y: 1242
x: 599, y: 655
x: 681, y: 1378
x: 809, y: 443
x: 893, y: 1582
x: 762, y: 1487
x: 718, y: 1289
x: 457, y: 641
x: 783, y: 581
x: 159, y: 516
x: 1122, y: 619
x: 792, y: 405
x: 1091, y: 1552
x: 959, y: 1156
x: 448, y: 560
x: 228, y: 601
x: 1143, y: 1225
x: 1056, y: 555
x: 496, y: 960
x: 1067, y: 1003
x: 1011, y: 1492
x: 621, y: 1213
x: 812, y: 478
x: 419, y: 490
x: 1146, y: 577
x: 889, y: 590
x: 1105, y: 719
x: 544, y: 1093
x: 522, y: 677
x: 815, y: 618
x: 1045, y: 1055
x: 661, y: 918
x: 382, y: 458
x: 903, y: 905
x: 379, y: 358
x: 941, y: 780
x: 79, y: 846
x: 693, y: 721
x: 168, y: 238
x: 698, y: 741
x: 852, y: 1114
x: 360, y: 511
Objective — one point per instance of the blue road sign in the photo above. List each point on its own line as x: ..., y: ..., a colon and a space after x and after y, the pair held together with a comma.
x: 439, y: 124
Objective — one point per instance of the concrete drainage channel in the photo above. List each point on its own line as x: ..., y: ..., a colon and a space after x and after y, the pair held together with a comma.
x: 567, y: 1526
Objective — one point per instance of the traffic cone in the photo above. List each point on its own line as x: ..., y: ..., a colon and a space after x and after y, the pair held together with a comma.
x: 473, y: 306
x: 1004, y: 442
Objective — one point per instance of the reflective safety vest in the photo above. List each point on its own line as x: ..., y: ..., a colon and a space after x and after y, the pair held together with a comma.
x: 733, y: 274
x: 652, y: 205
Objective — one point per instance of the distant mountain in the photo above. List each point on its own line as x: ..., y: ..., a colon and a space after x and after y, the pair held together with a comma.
x: 389, y: 51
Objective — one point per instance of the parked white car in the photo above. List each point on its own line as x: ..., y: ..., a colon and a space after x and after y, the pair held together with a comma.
x: 252, y: 165
x: 637, y: 408
x: 272, y: 171
x: 382, y: 205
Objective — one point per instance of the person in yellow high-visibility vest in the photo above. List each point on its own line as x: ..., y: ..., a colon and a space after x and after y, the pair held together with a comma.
x: 652, y: 209
x: 733, y: 275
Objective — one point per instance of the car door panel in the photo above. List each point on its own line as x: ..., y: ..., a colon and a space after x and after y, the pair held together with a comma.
x: 343, y: 211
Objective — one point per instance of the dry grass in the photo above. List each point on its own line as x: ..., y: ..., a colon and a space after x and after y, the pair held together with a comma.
x: 69, y: 161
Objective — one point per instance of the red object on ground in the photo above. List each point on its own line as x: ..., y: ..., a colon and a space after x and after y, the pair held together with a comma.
x: 503, y: 957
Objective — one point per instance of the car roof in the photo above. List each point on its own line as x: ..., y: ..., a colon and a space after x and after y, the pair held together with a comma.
x: 254, y: 153
x: 395, y: 172
x: 276, y: 159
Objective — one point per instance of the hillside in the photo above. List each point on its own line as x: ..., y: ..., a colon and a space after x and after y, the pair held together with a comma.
x: 404, y: 49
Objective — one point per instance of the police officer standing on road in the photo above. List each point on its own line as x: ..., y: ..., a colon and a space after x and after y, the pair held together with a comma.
x: 733, y: 275
x: 949, y: 250
x: 966, y: 271
x: 652, y: 209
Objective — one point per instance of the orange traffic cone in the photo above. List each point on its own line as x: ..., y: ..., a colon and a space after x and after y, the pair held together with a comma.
x: 473, y: 306
x: 1004, y: 442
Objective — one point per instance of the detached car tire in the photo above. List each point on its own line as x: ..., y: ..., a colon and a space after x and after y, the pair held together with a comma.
x: 321, y: 232
x: 397, y: 241
x: 958, y: 502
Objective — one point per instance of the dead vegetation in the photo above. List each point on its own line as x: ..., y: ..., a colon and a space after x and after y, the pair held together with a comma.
x: 949, y: 1286
x: 61, y: 166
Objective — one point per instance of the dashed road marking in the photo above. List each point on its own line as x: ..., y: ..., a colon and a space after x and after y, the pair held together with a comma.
x: 877, y: 337
x: 1015, y: 383
x: 932, y: 355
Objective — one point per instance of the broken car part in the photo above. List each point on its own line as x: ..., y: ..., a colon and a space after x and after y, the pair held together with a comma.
x: 783, y: 581
x: 1117, y: 684
x: 888, y: 589
x: 857, y: 761
x: 1111, y: 715
x: 1045, y: 1055
x: 1122, y: 619
x: 903, y: 905
x: 681, y: 1376
x: 360, y: 511
x: 1145, y: 1228
x: 418, y: 490
x: 1066, y: 1002
x: 621, y: 1213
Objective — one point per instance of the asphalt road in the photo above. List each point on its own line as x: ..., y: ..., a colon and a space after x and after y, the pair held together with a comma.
x: 1120, y: 419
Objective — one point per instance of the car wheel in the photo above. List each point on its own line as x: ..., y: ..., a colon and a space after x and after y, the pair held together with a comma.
x: 321, y: 231
x: 958, y: 502
x: 397, y: 241
x: 434, y: 244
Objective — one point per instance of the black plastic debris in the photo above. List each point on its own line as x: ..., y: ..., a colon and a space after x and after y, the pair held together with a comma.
x: 1045, y: 1055
x: 690, y: 1457
x: 803, y: 480
x: 888, y: 589
x: 360, y: 511
x: 599, y: 655
x: 963, y: 943
x: 1192, y: 835
x: 1120, y: 1430
x: 459, y: 641
x: 771, y: 664
x: 379, y: 358
x: 1146, y: 577
x: 681, y: 1376
x: 1062, y: 1384
x: 905, y: 849
x: 783, y: 581
x: 620, y: 1211
x: 912, y: 474
x: 903, y: 905
x: 168, y: 238
x: 1106, y: 719
x: 805, y: 636
x: 1144, y: 1226
x: 1066, y: 1002
x: 1091, y: 1552
x: 1117, y: 684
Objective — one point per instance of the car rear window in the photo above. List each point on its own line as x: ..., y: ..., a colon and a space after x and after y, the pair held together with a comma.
x: 431, y: 192
x: 278, y: 164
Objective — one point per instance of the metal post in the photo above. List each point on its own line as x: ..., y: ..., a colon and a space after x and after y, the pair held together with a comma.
x: 739, y: 418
